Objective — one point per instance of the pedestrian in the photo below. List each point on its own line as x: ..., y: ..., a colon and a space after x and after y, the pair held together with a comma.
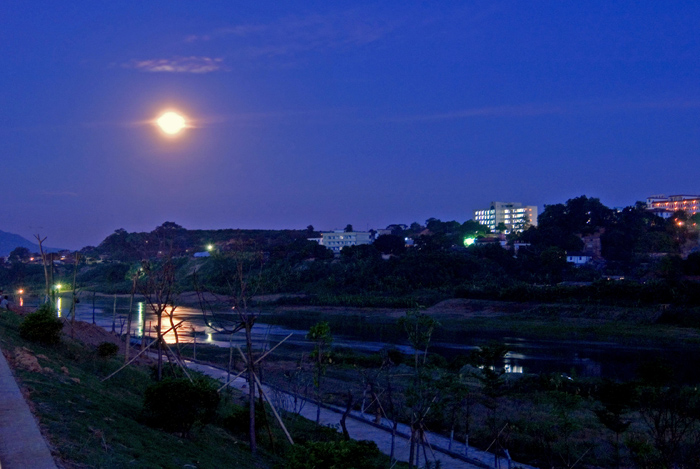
x: 4, y: 302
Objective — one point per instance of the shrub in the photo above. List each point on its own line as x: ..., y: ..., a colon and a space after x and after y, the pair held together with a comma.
x: 335, y: 455
x: 42, y: 326
x: 238, y: 421
x: 177, y: 404
x: 107, y: 349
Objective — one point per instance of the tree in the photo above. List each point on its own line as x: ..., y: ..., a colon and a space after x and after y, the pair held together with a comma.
x: 474, y: 228
x: 243, y: 282
x: 419, y: 328
x: 320, y: 335
x: 348, y: 228
x: 19, y: 254
x: 615, y: 399
x: 158, y: 288
x: 489, y: 360
x: 390, y: 244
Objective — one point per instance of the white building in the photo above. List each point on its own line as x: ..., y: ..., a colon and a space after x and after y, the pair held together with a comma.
x: 578, y: 258
x: 514, y: 215
x: 664, y: 206
x: 337, y: 240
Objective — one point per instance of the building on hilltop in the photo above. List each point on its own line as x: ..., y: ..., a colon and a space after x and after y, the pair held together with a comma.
x: 513, y: 215
x: 338, y: 239
x: 665, y: 206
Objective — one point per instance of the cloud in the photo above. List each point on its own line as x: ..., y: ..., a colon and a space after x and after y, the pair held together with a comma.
x: 178, y: 65
x: 293, y: 35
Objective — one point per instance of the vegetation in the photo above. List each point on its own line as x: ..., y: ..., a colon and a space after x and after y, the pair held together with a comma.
x: 121, y: 422
x: 335, y: 455
x: 107, y: 350
x: 42, y: 326
x: 177, y: 404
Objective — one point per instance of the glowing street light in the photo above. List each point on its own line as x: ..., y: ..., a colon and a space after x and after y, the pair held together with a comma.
x: 210, y: 247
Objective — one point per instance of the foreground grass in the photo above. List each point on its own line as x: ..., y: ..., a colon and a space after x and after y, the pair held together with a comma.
x: 90, y: 423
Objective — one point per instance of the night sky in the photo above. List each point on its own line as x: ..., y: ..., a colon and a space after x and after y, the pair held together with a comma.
x: 329, y: 113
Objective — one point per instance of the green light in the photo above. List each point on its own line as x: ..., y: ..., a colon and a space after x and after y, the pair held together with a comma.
x: 469, y: 241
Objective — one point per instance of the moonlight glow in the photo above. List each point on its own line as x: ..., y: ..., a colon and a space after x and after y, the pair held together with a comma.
x: 171, y: 122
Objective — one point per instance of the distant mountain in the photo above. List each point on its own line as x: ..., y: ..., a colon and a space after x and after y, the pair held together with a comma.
x: 10, y: 241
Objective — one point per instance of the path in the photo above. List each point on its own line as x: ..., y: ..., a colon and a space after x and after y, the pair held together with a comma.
x: 21, y: 443
x: 360, y: 428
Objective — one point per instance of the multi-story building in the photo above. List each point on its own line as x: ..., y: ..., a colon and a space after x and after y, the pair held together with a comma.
x: 665, y: 206
x: 337, y: 240
x: 513, y: 215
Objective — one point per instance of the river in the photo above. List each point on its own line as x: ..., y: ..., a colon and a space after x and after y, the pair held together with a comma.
x: 572, y: 358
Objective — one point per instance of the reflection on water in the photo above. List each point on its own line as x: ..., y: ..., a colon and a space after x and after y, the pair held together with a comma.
x: 526, y: 356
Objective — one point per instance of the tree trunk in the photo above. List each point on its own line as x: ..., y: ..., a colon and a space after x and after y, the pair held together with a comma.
x: 318, y: 390
x: 251, y: 384
x: 348, y: 408
x: 128, y: 322
x: 160, y: 347
x: 412, y: 449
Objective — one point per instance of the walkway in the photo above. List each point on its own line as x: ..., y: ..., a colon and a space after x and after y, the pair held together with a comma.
x: 21, y: 443
x: 360, y: 428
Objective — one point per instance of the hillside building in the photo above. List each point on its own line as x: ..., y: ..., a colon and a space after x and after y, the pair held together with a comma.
x: 513, y: 215
x: 664, y: 206
x: 337, y: 240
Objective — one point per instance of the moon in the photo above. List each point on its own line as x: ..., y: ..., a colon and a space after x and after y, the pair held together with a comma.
x: 171, y: 122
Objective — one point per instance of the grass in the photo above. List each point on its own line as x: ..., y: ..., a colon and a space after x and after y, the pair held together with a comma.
x: 90, y: 423
x: 96, y: 424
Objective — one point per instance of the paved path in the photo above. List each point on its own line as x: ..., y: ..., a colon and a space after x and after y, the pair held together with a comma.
x: 360, y: 428
x: 21, y: 443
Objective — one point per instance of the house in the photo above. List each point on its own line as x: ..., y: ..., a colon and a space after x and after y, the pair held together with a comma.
x: 579, y: 258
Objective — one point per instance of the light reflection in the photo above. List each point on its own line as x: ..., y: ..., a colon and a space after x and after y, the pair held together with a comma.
x: 139, y: 324
x: 58, y: 307
x: 21, y: 301
x: 209, y: 337
x: 513, y: 368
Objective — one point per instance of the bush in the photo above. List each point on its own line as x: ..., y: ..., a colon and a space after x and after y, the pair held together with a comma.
x: 177, y: 404
x: 238, y: 421
x: 335, y: 455
x: 42, y: 326
x: 107, y: 350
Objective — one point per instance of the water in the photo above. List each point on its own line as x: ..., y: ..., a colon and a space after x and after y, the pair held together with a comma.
x: 575, y: 358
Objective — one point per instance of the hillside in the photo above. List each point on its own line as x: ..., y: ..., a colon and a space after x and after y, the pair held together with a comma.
x: 10, y: 241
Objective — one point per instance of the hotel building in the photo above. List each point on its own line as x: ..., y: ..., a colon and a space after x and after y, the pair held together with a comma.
x: 514, y: 215
x: 665, y: 206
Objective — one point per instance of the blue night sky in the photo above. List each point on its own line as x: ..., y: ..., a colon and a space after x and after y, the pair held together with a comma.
x: 329, y: 113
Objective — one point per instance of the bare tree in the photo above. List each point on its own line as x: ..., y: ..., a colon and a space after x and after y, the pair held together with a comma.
x: 241, y: 287
x: 134, y: 278
x: 320, y: 335
x: 158, y: 289
x: 44, y: 262
x: 421, y: 394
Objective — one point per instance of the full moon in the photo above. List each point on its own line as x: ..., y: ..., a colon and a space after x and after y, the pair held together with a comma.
x: 171, y: 122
